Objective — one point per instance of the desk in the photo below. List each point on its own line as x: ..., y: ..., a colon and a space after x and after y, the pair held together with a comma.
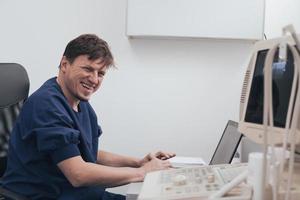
x: 133, y: 191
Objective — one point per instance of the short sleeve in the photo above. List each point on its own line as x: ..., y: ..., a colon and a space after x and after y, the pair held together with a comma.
x: 49, y: 129
x: 64, y: 153
x: 59, y: 142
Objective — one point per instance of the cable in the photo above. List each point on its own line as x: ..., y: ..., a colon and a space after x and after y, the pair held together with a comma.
x: 290, y: 28
x: 229, y: 186
x: 294, y: 122
x: 268, y: 117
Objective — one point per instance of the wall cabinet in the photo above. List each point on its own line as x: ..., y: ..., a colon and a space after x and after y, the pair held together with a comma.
x: 230, y: 19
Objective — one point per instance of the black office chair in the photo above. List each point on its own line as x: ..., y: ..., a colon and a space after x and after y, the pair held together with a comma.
x: 14, y: 88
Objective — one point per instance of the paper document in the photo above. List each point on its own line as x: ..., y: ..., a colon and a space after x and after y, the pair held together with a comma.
x: 181, y: 161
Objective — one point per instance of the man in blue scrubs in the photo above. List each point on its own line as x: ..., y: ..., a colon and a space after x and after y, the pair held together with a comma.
x: 53, y: 150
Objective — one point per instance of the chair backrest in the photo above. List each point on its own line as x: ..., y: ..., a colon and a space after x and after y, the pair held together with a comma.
x: 14, y: 88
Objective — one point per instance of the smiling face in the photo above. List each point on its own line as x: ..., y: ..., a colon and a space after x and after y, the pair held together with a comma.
x: 81, y: 78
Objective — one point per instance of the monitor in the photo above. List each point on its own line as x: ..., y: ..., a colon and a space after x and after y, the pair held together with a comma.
x: 251, y: 105
x: 227, y: 145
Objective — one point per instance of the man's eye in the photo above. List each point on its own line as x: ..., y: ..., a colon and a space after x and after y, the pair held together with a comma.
x: 86, y: 69
x: 100, y: 74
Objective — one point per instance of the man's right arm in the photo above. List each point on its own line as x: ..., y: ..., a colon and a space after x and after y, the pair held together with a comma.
x: 81, y: 173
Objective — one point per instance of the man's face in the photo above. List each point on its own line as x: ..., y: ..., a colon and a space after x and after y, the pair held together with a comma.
x: 82, y: 78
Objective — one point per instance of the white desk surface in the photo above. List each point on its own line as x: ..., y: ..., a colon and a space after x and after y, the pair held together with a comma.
x: 133, y: 190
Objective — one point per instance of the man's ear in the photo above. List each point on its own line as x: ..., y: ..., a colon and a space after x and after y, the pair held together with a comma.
x: 64, y: 63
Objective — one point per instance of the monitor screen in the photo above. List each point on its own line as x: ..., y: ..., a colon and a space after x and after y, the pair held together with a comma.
x: 282, y: 79
x: 227, y: 145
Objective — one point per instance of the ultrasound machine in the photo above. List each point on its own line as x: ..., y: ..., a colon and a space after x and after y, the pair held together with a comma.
x: 269, y: 116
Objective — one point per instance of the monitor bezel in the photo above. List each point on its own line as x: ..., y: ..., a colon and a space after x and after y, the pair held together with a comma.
x: 252, y: 130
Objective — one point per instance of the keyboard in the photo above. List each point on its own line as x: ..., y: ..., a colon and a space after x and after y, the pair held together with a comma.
x: 192, y: 182
x: 228, y: 173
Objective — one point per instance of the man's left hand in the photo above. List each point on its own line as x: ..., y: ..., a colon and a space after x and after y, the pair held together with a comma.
x: 162, y: 155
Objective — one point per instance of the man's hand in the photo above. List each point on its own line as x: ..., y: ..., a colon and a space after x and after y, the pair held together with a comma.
x: 161, y: 155
x: 155, y: 164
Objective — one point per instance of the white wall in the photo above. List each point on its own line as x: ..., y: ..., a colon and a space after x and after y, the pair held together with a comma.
x: 280, y: 13
x: 174, y: 95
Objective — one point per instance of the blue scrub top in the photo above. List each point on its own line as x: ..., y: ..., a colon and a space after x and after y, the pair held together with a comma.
x: 46, y: 132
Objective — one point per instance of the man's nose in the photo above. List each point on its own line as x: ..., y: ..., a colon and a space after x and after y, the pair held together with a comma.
x: 94, y: 77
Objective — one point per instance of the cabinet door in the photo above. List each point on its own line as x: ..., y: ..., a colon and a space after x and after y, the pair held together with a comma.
x: 230, y: 19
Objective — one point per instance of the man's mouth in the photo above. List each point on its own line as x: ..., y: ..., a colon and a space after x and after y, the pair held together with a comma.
x: 87, y: 86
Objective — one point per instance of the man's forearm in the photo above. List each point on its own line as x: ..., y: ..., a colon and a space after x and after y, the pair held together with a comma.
x: 115, y: 160
x: 81, y: 173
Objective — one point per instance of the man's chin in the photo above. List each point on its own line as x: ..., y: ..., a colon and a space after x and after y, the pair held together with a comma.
x: 84, y: 98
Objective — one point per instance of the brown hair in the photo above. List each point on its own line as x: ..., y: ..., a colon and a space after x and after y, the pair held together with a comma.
x: 90, y: 45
